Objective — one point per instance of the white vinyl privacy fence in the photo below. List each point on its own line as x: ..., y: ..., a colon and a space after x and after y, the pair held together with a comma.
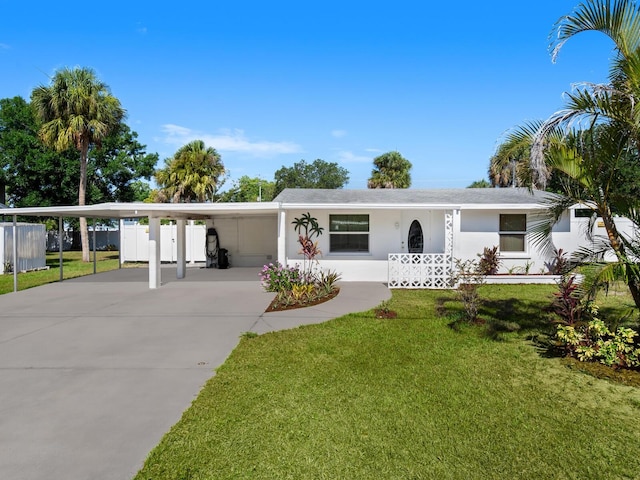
x: 134, y: 241
x: 31, y: 245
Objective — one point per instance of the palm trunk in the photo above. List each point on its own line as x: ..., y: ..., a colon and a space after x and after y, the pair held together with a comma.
x: 82, y: 191
x: 621, y: 255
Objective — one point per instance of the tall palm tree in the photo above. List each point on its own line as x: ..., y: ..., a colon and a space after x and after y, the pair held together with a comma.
x: 76, y: 110
x: 191, y: 175
x: 391, y: 170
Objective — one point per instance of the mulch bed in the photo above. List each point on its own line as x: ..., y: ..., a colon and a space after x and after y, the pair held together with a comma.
x: 275, y: 307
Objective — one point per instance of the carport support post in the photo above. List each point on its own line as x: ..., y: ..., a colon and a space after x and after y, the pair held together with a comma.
x: 182, y: 248
x: 60, y: 248
x: 15, y: 253
x: 154, y: 252
x: 94, y: 246
x: 282, y: 237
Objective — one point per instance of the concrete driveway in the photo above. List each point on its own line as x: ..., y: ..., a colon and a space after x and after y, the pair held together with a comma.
x: 94, y: 371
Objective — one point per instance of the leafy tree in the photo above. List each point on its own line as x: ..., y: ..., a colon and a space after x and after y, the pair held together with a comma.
x: 34, y: 173
x: 116, y: 167
x: 76, y: 110
x: 319, y: 174
x: 191, y: 175
x: 248, y: 189
x: 38, y: 175
x: 391, y: 170
x: 480, y: 184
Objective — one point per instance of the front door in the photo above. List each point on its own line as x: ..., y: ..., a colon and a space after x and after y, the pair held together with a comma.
x: 415, y: 240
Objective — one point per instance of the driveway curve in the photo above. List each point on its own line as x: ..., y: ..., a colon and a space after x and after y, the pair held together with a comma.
x: 94, y: 371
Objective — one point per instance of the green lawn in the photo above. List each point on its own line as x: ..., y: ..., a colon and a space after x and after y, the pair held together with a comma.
x: 73, y: 266
x: 411, y: 398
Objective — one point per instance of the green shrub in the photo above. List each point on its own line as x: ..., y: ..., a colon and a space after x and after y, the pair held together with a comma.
x: 489, y: 262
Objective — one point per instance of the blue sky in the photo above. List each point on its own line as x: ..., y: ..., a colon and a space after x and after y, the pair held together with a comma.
x: 270, y: 83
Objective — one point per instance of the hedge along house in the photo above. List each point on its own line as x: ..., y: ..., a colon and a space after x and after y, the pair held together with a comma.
x: 406, y: 238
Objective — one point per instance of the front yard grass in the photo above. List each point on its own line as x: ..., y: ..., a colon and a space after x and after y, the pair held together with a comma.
x: 409, y: 398
x: 73, y: 266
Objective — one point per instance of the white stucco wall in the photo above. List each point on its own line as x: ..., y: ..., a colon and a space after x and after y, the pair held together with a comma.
x: 251, y: 241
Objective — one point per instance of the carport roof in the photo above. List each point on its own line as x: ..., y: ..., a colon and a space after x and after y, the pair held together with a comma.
x: 191, y: 211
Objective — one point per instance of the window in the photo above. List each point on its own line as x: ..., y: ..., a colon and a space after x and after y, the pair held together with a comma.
x: 513, y: 229
x: 583, y: 213
x: 348, y: 233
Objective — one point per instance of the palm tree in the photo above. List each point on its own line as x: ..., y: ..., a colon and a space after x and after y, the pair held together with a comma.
x: 76, y: 110
x: 595, y: 167
x: 599, y: 128
x: 616, y: 102
x: 509, y: 166
x: 391, y: 171
x: 191, y: 175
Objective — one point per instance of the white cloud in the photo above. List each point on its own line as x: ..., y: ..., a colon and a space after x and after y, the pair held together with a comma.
x: 227, y: 140
x: 373, y: 150
x: 141, y: 29
x: 4, y: 46
x: 350, y: 157
x: 338, y: 133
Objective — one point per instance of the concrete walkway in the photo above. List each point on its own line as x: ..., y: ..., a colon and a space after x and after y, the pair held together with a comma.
x: 94, y: 371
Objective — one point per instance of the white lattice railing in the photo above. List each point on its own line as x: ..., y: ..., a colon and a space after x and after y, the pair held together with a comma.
x: 420, y: 270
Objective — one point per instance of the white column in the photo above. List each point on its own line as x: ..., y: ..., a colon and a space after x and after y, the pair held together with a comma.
x: 15, y: 253
x: 155, y: 276
x: 121, y: 247
x: 181, y: 238
x: 192, y: 249
x: 282, y: 237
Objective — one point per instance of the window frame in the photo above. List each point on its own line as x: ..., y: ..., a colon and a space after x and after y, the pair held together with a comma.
x: 334, y: 232
x: 503, y: 233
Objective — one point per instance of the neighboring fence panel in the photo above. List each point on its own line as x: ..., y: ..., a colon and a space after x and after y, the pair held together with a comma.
x: 420, y: 270
x: 31, y: 247
x: 105, y: 240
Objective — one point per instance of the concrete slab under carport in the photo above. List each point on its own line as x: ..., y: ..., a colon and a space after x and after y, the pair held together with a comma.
x: 93, y: 371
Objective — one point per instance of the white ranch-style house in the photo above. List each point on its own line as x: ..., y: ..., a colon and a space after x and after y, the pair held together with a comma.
x: 403, y: 237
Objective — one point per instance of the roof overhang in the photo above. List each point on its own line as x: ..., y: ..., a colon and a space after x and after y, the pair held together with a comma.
x: 412, y: 206
x: 185, y: 211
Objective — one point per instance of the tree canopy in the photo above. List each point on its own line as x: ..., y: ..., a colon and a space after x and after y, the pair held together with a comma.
x: 38, y: 175
x: 391, y: 170
x: 318, y: 174
x: 193, y: 174
x: 249, y: 189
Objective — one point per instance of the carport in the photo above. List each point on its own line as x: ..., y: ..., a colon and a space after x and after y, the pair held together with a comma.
x: 155, y: 212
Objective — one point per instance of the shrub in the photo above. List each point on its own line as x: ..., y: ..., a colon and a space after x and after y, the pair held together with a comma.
x: 468, y: 278
x: 489, y: 262
x: 326, y: 281
x: 558, y: 265
x: 567, y: 302
x: 276, y: 278
x: 596, y: 343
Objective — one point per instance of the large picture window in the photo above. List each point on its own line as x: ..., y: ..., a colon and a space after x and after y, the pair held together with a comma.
x: 348, y: 233
x: 513, y: 230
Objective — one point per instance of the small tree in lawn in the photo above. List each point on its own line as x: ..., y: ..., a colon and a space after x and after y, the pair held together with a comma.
x: 307, y: 228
